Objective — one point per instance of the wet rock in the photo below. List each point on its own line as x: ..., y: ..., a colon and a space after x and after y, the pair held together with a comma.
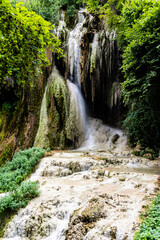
x: 122, y: 179
x: 115, y: 138
x: 100, y: 173
x: 113, y: 232
x: 85, y: 219
x: 93, y: 212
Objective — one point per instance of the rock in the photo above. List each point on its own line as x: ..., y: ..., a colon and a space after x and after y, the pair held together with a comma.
x: 85, y: 219
x: 115, y: 138
x: 113, y: 232
x: 122, y: 179
x: 149, y: 156
x: 100, y: 173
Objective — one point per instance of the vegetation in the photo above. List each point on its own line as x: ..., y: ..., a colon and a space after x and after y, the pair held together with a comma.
x: 13, y: 174
x: 139, y: 34
x: 49, y: 9
x: 22, y: 164
x: 24, y: 35
x: 150, y: 228
x: 19, y: 197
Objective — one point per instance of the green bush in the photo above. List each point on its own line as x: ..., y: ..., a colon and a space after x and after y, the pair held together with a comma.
x: 150, y: 228
x: 141, y: 125
x: 22, y: 164
x: 20, y: 197
x: 11, y: 175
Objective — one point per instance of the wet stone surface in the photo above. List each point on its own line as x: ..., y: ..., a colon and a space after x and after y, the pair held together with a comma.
x: 86, y: 196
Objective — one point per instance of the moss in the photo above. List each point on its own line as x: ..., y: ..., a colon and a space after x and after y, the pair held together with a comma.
x: 57, y: 109
x: 5, y: 218
x: 3, y: 123
x: 92, y: 212
x: 74, y: 167
x: 6, y: 155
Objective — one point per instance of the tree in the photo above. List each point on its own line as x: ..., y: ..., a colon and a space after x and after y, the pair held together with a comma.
x: 24, y: 35
x: 139, y: 38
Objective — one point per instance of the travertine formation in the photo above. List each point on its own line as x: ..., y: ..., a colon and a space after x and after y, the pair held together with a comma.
x: 86, y: 196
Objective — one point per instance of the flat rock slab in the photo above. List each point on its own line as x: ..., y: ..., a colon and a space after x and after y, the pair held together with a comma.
x: 86, y: 196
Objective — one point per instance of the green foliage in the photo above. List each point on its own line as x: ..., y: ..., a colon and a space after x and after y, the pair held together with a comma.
x: 141, y: 125
x: 150, y: 228
x: 7, y: 155
x: 6, y: 107
x: 24, y: 35
x: 49, y: 9
x: 139, y: 39
x: 93, y: 6
x: 19, y: 197
x: 108, y: 10
x: 71, y: 6
x: 139, y: 34
x: 22, y: 164
x: 12, y: 174
x: 111, y: 11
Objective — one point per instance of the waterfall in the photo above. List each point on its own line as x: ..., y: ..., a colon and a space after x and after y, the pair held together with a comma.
x: 41, y: 139
x: 78, y: 117
x: 74, y: 50
x: 89, y: 133
x: 78, y: 108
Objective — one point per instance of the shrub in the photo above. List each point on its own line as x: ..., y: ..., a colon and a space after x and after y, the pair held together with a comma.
x: 150, y: 228
x: 20, y: 197
x: 141, y: 125
x: 22, y: 164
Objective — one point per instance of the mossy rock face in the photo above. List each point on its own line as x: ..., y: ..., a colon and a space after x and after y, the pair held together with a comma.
x: 7, y: 149
x: 5, y: 218
x: 70, y: 20
x: 54, y: 114
x: 92, y: 212
x: 85, y: 218
x: 22, y: 119
x: 58, y: 109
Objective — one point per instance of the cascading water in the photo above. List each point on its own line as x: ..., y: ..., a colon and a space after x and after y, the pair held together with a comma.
x: 92, y: 133
x: 74, y: 75
x: 74, y: 50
